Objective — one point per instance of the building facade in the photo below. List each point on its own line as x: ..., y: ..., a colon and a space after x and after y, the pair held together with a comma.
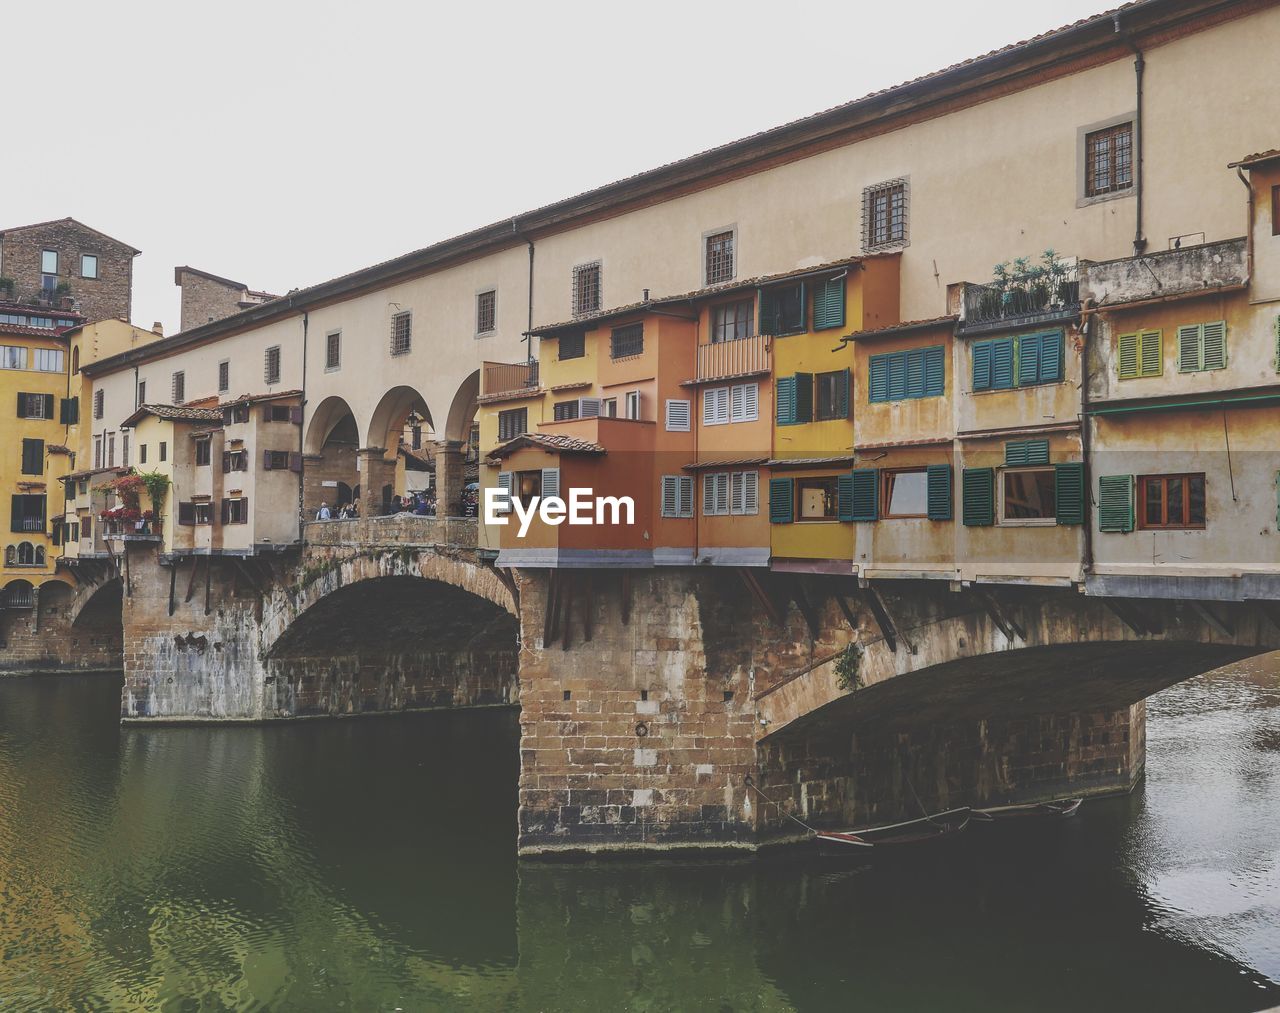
x: 66, y: 265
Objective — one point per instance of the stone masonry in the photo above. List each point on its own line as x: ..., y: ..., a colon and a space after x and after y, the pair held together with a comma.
x: 107, y: 297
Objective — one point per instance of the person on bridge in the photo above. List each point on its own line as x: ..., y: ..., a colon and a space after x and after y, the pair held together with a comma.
x: 323, y: 513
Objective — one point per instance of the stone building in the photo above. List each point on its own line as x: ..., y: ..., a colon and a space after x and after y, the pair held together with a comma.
x: 66, y: 265
x: 207, y: 297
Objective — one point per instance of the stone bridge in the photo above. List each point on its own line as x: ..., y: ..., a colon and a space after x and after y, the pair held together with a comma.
x: 648, y: 696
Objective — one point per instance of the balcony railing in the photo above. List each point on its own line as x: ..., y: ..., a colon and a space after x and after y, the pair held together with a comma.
x: 1021, y: 302
x: 510, y: 377
x: 740, y: 357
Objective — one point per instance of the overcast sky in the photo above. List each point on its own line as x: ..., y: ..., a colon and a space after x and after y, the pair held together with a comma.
x: 282, y: 144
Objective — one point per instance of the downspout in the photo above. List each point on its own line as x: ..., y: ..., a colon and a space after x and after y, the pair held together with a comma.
x: 1086, y: 443
x: 302, y: 428
x: 1139, y: 66
x: 528, y: 337
x: 1248, y: 234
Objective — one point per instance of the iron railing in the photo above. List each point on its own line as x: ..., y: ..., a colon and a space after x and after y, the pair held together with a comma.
x: 510, y: 377
x: 1017, y: 300
x: 739, y: 357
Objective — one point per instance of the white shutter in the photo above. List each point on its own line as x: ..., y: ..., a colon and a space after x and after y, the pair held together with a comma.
x: 722, y: 492
x: 550, y: 482
x: 504, y: 502
x: 750, y: 483
x: 736, y: 410
x: 750, y: 403
x: 588, y: 407
x: 678, y: 416
x: 708, y: 494
x: 736, y: 492
x: 709, y: 406
x: 722, y: 407
x: 685, y: 483
x: 670, y: 496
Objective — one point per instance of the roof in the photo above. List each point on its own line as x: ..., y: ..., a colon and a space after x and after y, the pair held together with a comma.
x: 71, y: 221
x: 1024, y: 64
x: 420, y: 454
x: 906, y: 327
x: 808, y: 462
x: 253, y: 398
x: 710, y: 292
x: 177, y: 280
x: 57, y: 448
x: 740, y: 462
x: 174, y: 413
x: 1257, y: 158
x: 553, y: 442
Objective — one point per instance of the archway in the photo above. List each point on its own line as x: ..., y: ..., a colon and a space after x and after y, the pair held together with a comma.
x: 399, y: 422
x: 332, y: 471
x: 96, y: 626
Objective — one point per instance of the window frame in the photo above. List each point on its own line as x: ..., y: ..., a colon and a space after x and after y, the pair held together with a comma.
x: 224, y: 376
x: 1083, y: 134
x: 333, y: 351
x: 271, y: 365
x: 1025, y: 522
x: 178, y: 386
x: 508, y: 416
x: 718, y: 325
x: 887, y: 478
x: 831, y: 377
x: 492, y: 293
x: 90, y: 256
x: 632, y: 405
x: 1143, y: 522
x: 581, y: 306
x: 811, y: 481
x: 891, y: 238
x: 619, y: 344
x: 721, y: 276
x: 203, y: 452
x: 401, y: 344
x: 57, y: 261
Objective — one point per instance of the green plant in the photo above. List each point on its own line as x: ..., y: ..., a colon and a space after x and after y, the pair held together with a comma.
x: 157, y: 486
x: 63, y: 288
x: 848, y: 667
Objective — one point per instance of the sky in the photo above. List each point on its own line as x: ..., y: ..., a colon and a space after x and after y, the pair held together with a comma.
x: 281, y: 144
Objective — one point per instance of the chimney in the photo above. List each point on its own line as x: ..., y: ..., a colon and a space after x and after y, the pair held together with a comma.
x: 158, y: 328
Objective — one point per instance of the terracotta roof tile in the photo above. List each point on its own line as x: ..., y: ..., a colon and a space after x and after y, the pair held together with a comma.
x: 554, y: 442
x: 174, y: 413
x: 250, y: 398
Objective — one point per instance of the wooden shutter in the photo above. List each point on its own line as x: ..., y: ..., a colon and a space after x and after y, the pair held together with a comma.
x: 1213, y: 345
x: 722, y: 492
x: 750, y: 492
x: 736, y: 407
x: 804, y: 397
x: 978, y: 487
x: 48, y: 406
x: 295, y: 415
x: 266, y: 460
x: 781, y: 500
x: 1189, y: 360
x: 768, y: 322
x: 828, y: 304
x: 295, y: 462
x: 842, y: 394
x: 1068, y: 493
x: 1128, y: 356
x: 684, y: 491
x: 16, y: 511
x: 982, y: 365
x: 677, y: 416
x: 878, y: 378
x: 1278, y: 329
x: 1051, y: 357
x: 186, y: 513
x: 935, y: 371
x: 1018, y: 453
x: 1028, y: 358
x: 897, y: 376
x: 736, y: 492
x: 750, y: 402
x: 1115, y: 503
x: 915, y: 373
x: 844, y: 497
x: 504, y: 484
x: 939, y: 492
x: 866, y: 494
x: 708, y: 494
x: 670, y: 496
x: 786, y: 398
x: 550, y: 482
x: 1002, y: 364
x: 1150, y: 353
x: 226, y: 510
x: 22, y: 405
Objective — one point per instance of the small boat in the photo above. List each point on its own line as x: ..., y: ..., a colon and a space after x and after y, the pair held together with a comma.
x: 1060, y: 809
x: 925, y: 830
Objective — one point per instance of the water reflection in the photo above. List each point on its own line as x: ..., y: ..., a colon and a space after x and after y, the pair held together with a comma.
x: 368, y: 864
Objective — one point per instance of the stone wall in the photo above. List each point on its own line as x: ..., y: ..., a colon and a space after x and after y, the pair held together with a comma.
x: 53, y: 638
x: 205, y: 299
x: 107, y: 297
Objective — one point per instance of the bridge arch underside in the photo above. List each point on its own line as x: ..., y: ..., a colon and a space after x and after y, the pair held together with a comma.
x: 1008, y: 725
x: 395, y: 643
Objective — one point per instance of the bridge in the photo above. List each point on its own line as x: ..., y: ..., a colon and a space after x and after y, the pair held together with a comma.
x: 648, y: 696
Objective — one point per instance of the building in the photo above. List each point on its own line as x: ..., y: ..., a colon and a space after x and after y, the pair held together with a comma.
x: 65, y: 265
x: 207, y: 297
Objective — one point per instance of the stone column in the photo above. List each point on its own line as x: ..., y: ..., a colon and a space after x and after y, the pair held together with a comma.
x: 449, y: 477
x: 376, y: 472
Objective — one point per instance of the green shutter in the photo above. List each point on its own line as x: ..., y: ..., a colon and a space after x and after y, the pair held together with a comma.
x: 828, y: 304
x: 1115, y: 503
x: 1213, y: 345
x: 978, y: 486
x: 866, y: 494
x: 935, y: 371
x: 1069, y: 492
x: 1002, y: 364
x: 1051, y: 357
x: 1127, y: 356
x: 842, y: 394
x: 781, y: 500
x: 1150, y: 353
x: 1028, y: 355
x: 768, y: 322
x: 804, y: 397
x: 897, y: 376
x: 982, y: 365
x: 1189, y: 348
x: 878, y: 377
x: 915, y: 372
x: 786, y: 398
x: 1018, y: 453
x: 939, y: 477
x: 844, y: 497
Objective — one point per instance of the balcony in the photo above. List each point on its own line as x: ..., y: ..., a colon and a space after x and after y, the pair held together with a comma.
x: 722, y: 360
x: 1020, y: 302
x: 1168, y: 274
x: 509, y: 378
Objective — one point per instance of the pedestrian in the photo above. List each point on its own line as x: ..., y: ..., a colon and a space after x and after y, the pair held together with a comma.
x: 323, y: 513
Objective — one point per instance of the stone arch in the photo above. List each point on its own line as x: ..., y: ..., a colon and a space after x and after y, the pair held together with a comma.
x: 462, y: 411
x: 389, y: 417
x: 328, y: 420
x: 18, y: 593
x: 97, y: 602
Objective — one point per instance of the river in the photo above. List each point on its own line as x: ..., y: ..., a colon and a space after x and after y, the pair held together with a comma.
x: 369, y: 864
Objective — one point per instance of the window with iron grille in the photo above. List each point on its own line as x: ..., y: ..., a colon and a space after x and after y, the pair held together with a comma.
x: 401, y: 333
x: 271, y: 365
x: 99, y: 397
x: 885, y: 215
x: 718, y: 257
x: 586, y: 288
x: 179, y: 387
x: 333, y: 350
x: 573, y: 346
x: 1108, y: 160
x: 224, y: 376
x: 732, y: 320
x: 486, y: 311
x: 512, y: 423
x: 626, y: 341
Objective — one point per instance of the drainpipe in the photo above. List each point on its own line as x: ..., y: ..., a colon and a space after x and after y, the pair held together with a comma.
x: 302, y: 457
x: 1086, y: 444
x: 528, y: 337
x: 1139, y: 66
x: 1248, y: 232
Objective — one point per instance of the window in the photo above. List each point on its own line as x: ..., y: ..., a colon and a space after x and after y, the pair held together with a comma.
x: 512, y: 423
x: 142, y: 453
x: 99, y: 403
x: 13, y: 357
x: 1202, y: 347
x: 278, y: 413
x: 235, y: 511
x: 573, y: 346
x: 884, y: 215
x: 718, y: 260
x: 730, y: 493
x: 795, y: 399
x: 739, y: 403
x: 275, y: 460
x: 97, y: 452
x: 828, y: 304
x: 609, y: 407
x: 626, y: 341
x: 732, y: 320
x: 124, y: 450
x: 633, y: 404
x: 1027, y: 496
x: 486, y: 311
x: 235, y: 414
x: 526, y: 485
x: 333, y: 350
x: 677, y: 495
x: 1171, y: 502
x: 586, y: 289
x: 905, y: 493
x: 49, y: 262
x: 27, y: 513
x: 69, y: 411
x: 715, y: 494
x: 1139, y: 354
x: 678, y: 416
x: 234, y: 460
x: 164, y: 451
x: 715, y: 406
x: 179, y: 387
x: 142, y: 393
x: 1108, y: 160
x: 75, y: 359
x: 816, y: 499
x: 782, y: 309
x: 912, y: 373
x: 35, y: 406
x: 203, y: 452
x: 48, y: 360
x: 271, y: 365
x: 832, y: 390
x: 224, y: 376
x: 88, y: 265
x: 401, y: 333
x: 1021, y: 361
x: 33, y: 457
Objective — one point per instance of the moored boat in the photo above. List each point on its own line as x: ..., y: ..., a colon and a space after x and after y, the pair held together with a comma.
x: 926, y: 830
x: 1058, y: 809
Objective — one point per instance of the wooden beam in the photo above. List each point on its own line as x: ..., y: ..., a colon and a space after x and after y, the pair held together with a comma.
x: 806, y: 607
x: 241, y: 567
x: 173, y: 586
x: 849, y: 615
x: 1008, y: 625
x: 191, y: 581
x: 1128, y: 614
x: 888, y: 628
x: 1219, y: 626
x: 208, y: 570
x: 762, y: 598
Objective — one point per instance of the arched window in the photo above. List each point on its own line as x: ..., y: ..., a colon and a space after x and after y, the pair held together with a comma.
x: 26, y: 554
x: 75, y: 359
x: 10, y: 555
x: 39, y: 555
